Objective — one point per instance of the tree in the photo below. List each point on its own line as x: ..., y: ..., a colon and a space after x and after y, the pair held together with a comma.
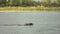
x: 47, y: 2
x: 2, y: 2
x: 58, y: 2
x: 27, y: 2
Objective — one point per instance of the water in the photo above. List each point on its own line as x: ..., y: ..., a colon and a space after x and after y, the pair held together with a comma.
x: 44, y: 23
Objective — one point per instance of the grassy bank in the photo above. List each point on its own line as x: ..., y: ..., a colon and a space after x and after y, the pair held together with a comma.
x: 28, y: 9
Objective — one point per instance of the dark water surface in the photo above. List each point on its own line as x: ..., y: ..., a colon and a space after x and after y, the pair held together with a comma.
x: 44, y: 23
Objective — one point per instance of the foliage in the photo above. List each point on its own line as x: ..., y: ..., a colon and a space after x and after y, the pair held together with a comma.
x: 58, y: 2
x: 25, y: 3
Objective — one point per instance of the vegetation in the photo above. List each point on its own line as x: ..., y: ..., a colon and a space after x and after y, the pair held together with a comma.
x: 29, y: 9
x: 29, y: 5
x: 24, y: 3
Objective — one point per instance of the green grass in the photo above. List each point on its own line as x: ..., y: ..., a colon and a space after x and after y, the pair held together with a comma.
x: 28, y: 9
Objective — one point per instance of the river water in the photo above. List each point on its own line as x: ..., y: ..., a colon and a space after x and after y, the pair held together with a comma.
x: 44, y: 22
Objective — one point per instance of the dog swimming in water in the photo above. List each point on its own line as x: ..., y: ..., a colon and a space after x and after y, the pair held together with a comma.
x: 28, y: 24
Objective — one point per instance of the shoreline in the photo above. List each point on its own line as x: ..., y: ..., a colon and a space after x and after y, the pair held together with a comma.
x: 32, y: 9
